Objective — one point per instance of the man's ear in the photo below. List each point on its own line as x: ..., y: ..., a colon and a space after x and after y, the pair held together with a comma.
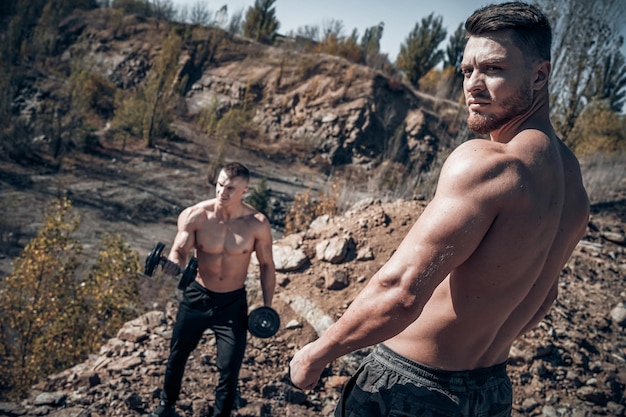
x: 542, y: 74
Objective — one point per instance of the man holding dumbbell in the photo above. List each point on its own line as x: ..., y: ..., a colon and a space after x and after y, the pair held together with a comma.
x: 223, y: 232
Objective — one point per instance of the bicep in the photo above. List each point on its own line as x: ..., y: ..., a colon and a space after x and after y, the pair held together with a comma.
x: 185, y: 234
x: 448, y: 231
x: 263, y: 244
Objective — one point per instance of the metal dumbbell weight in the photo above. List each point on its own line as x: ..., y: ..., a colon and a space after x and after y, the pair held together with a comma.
x: 263, y: 322
x: 155, y: 258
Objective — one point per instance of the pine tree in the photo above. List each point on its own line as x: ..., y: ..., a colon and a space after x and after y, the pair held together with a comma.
x: 261, y: 23
x: 419, y: 53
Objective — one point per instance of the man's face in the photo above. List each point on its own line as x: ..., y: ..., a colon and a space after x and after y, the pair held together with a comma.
x: 497, y: 82
x: 230, y: 190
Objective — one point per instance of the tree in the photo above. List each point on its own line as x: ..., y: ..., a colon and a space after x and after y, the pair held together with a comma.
x: 332, y: 28
x: 50, y: 318
x: 162, y: 9
x: 110, y: 294
x: 39, y: 299
x: 370, y: 42
x: 585, y: 34
x: 200, y: 14
x: 148, y: 111
x: 309, y: 32
x: 259, y: 197
x: 234, y: 25
x: 455, y: 48
x: 452, y: 62
x: 419, y: 53
x: 610, y: 82
x: 139, y: 7
x: 261, y: 23
x: 159, y: 90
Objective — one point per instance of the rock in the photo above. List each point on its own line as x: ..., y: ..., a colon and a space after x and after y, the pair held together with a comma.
x: 10, y: 409
x: 288, y: 259
x: 618, y: 314
x: 333, y: 250
x: 338, y: 280
x: 293, y: 324
x: 50, y: 398
x: 365, y: 254
x: 592, y: 395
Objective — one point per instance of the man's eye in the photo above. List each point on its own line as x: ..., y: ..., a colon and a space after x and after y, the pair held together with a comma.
x: 466, y: 72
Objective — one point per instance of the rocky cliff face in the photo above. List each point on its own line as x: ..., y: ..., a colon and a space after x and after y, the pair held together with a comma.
x: 338, y: 112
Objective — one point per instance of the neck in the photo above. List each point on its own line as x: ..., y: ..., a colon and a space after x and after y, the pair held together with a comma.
x: 536, y: 117
x: 227, y: 212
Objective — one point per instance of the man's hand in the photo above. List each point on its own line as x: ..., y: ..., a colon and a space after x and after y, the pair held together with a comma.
x: 303, y: 373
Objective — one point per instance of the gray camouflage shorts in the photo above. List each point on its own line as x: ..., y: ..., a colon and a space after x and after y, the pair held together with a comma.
x: 388, y: 384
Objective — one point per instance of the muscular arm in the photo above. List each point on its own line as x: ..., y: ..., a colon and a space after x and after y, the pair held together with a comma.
x: 263, y: 249
x: 445, y: 235
x: 185, y: 240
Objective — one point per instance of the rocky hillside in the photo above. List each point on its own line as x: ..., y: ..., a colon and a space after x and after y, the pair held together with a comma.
x: 314, y: 108
x: 317, y: 116
x: 573, y: 364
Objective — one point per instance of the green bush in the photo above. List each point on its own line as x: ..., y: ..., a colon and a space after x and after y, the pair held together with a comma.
x: 259, y: 197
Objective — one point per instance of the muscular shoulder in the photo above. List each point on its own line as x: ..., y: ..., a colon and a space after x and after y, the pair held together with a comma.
x: 256, y: 218
x: 196, y: 213
x: 482, y: 167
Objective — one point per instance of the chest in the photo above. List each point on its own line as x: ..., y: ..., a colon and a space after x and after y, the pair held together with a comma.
x: 218, y: 237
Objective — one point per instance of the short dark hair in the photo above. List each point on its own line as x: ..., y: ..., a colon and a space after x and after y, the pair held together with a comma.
x: 236, y: 170
x: 531, y: 28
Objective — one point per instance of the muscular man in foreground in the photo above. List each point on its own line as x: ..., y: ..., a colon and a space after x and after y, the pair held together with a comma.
x: 480, y: 266
x: 223, y: 232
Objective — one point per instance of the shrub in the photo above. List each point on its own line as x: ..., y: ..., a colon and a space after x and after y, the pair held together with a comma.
x: 307, y: 208
x: 50, y: 319
x: 259, y: 197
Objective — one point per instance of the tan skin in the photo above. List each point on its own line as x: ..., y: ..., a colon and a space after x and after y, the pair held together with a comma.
x: 480, y: 266
x: 223, y: 232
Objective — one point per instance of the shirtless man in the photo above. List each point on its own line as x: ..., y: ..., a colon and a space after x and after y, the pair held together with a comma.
x: 223, y: 232
x: 480, y: 266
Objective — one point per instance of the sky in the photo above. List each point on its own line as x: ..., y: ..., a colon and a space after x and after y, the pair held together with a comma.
x: 399, y: 16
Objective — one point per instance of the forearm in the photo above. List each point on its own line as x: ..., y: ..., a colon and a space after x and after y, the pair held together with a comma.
x: 377, y: 314
x: 178, y: 257
x: 268, y: 284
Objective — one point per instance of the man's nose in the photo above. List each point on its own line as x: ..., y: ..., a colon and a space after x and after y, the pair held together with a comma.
x: 475, y: 82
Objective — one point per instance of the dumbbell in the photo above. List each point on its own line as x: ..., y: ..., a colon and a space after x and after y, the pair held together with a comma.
x: 155, y: 259
x: 263, y: 322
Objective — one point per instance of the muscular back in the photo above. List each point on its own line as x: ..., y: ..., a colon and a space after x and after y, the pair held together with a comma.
x: 504, y: 220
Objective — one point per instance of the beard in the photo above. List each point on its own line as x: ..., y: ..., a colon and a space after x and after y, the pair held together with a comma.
x: 519, y: 103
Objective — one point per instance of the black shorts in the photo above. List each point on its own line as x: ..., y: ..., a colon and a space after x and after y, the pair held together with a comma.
x: 388, y: 384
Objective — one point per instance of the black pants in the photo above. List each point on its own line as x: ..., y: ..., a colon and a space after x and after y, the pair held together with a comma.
x: 388, y: 384
x: 225, y: 314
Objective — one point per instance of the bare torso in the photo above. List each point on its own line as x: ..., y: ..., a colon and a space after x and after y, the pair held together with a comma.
x: 223, y: 246
x: 509, y: 281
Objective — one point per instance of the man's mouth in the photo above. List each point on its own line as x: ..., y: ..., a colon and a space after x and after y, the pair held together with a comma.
x: 475, y: 104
